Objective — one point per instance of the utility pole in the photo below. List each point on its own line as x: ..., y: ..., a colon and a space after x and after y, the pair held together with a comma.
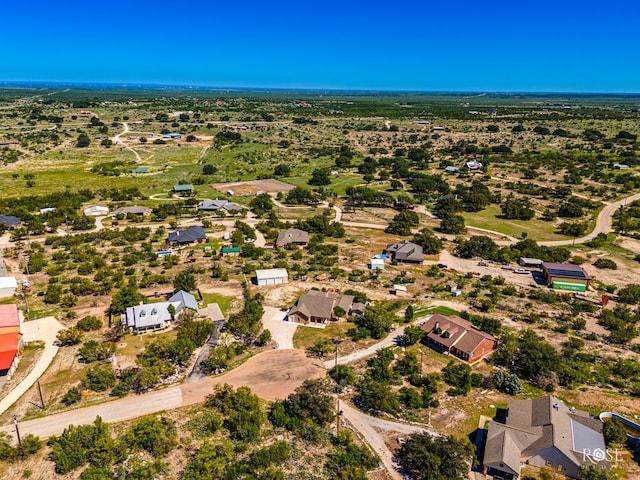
x: 25, y: 258
x: 337, y: 341
x: 15, y: 422
x: 420, y: 361
x: 40, y: 391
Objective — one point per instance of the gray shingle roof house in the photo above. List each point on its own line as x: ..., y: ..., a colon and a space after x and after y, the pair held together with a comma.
x: 292, y: 235
x: 181, y: 236
x: 10, y: 221
x: 156, y: 315
x: 405, y: 251
x: 543, y: 432
x: 215, y: 205
x: 319, y: 307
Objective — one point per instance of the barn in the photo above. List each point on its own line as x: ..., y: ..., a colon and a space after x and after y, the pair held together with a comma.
x: 8, y: 286
x: 565, y: 276
x: 271, y: 276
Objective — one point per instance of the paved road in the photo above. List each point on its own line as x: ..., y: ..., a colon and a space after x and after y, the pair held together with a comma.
x: 604, y: 222
x: 44, y: 329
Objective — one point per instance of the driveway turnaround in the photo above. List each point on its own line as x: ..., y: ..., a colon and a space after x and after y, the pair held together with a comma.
x: 44, y: 329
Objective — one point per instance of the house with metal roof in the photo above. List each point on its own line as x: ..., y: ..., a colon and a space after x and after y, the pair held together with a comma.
x: 135, y: 210
x: 455, y: 336
x: 217, y: 205
x: 543, y: 432
x: 150, y: 316
x: 183, y: 188
x: 9, y: 319
x: 565, y: 276
x: 319, y: 308
x: 272, y: 276
x: 405, y: 251
x: 187, y: 236
x: 8, y: 286
x: 95, y: 211
x: 10, y: 221
x: 292, y: 236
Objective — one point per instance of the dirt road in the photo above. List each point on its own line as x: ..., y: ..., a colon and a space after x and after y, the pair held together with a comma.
x: 272, y: 375
x: 117, y: 141
x: 371, y: 427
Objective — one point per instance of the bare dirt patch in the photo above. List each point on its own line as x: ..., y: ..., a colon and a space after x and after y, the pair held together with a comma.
x: 272, y: 375
x: 253, y: 187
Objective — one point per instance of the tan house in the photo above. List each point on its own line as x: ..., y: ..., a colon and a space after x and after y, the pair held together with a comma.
x: 319, y: 308
x: 456, y: 336
x: 292, y: 236
x: 543, y: 432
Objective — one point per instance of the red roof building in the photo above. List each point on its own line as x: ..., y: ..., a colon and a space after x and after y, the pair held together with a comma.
x: 9, y: 319
x: 456, y: 336
x: 9, y: 345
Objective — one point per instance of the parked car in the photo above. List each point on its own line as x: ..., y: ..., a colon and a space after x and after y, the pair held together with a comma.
x: 442, y: 266
x: 522, y: 271
x: 483, y: 264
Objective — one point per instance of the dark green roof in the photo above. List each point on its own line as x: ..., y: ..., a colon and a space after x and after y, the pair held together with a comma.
x: 183, y: 188
x: 230, y: 249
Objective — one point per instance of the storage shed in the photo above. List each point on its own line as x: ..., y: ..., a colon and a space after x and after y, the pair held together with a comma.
x: 272, y: 276
x: 565, y: 276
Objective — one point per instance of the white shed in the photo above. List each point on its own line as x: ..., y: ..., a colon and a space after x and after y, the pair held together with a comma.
x: 376, y: 264
x: 399, y: 289
x: 272, y: 276
x: 8, y: 286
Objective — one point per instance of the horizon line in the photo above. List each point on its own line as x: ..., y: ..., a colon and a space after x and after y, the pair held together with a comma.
x: 185, y: 86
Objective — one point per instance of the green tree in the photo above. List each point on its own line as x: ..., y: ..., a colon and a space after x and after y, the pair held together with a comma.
x: 440, y: 458
x: 158, y: 436
x: 320, y: 177
x: 69, y: 336
x: 630, y: 294
x: 343, y: 375
x: 453, y: 224
x: 185, y: 280
x: 615, y: 433
x: 83, y: 141
x: 412, y: 334
x: 99, y: 378
x: 127, y: 296
x: 430, y: 244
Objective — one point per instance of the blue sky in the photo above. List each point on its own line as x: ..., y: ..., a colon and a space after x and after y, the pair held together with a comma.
x: 559, y: 46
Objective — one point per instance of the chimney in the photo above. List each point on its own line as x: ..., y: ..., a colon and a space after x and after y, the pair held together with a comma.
x: 436, y: 325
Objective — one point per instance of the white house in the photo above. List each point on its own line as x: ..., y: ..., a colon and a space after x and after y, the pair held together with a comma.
x: 95, y: 211
x: 8, y: 286
x: 474, y: 165
x: 149, y: 316
x: 272, y: 276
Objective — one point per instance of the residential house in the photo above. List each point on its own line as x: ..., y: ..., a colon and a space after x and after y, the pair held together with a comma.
x: 405, y: 251
x: 292, y: 236
x: 474, y: 165
x: 272, y: 276
x: 451, y: 169
x: 217, y: 205
x: 187, y: 236
x: 565, y: 276
x: 543, y: 432
x: 149, y: 316
x: 8, y: 286
x: 10, y: 221
x: 183, y: 188
x: 319, y: 308
x: 530, y: 262
x: 95, y: 211
x: 456, y: 336
x: 135, y: 210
